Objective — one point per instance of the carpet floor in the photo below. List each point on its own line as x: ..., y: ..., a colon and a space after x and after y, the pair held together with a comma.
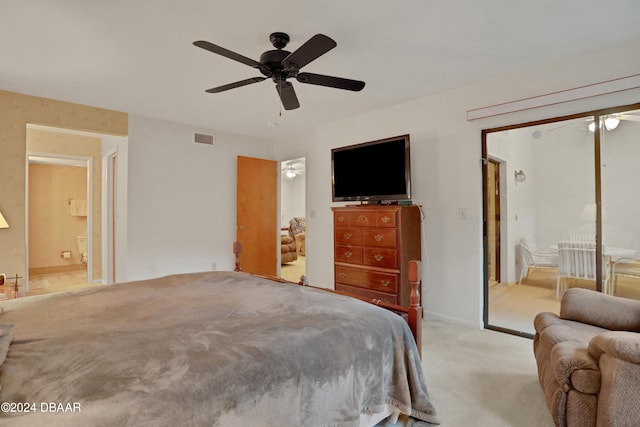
x: 482, y: 378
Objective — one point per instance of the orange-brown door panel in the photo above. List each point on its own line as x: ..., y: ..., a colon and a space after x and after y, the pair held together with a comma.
x: 256, y: 214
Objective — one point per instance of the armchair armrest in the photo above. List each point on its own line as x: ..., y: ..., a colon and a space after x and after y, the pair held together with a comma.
x: 575, y: 368
x: 619, y: 344
x: 618, y: 357
x: 597, y: 309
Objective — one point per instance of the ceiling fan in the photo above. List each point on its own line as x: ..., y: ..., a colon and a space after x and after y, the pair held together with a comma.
x: 279, y: 65
x: 610, y: 122
x: 290, y: 169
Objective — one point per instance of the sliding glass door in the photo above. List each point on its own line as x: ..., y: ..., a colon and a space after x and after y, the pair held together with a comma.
x: 620, y: 178
x: 568, y: 206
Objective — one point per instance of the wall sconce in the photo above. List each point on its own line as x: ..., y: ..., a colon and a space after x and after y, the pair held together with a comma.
x: 3, y: 222
x: 520, y: 176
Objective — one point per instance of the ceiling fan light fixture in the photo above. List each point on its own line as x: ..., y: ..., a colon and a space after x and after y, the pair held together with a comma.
x: 290, y: 174
x: 610, y: 123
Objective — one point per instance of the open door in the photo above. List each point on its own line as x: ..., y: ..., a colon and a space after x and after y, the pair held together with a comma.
x: 257, y: 215
x: 493, y: 221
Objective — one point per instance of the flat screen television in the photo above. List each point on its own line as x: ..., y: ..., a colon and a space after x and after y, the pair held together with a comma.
x: 373, y: 171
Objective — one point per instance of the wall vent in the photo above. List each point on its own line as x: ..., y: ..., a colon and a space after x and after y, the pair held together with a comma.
x: 203, y: 138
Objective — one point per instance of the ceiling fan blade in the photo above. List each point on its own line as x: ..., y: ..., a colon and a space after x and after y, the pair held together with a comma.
x: 330, y: 81
x: 629, y: 117
x: 227, y: 53
x: 312, y: 49
x: 235, y: 84
x: 287, y: 95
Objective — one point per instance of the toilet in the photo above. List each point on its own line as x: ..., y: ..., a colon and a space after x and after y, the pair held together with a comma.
x: 82, y: 248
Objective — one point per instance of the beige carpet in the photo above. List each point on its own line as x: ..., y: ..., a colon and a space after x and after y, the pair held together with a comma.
x: 482, y: 377
x: 57, y: 282
x: 515, y: 306
x: 293, y: 270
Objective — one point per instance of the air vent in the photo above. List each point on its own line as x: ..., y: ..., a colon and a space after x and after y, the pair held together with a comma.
x: 203, y: 138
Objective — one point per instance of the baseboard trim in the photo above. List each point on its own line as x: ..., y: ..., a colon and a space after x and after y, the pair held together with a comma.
x: 56, y: 269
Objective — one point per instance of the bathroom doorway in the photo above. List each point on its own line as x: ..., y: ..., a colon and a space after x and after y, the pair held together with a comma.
x: 59, y: 222
x: 293, y: 252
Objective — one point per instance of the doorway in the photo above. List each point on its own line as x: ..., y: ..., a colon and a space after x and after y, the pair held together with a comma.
x: 292, y: 219
x: 493, y: 221
x: 59, y: 222
x: 105, y: 202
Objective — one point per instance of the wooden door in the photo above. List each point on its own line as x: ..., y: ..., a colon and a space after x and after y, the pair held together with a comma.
x: 256, y: 215
x: 493, y: 220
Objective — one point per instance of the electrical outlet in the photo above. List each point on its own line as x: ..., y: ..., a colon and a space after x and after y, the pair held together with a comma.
x: 214, y: 266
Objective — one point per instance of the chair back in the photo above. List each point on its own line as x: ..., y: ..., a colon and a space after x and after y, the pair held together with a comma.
x: 577, y: 258
x: 297, y: 225
x: 526, y: 250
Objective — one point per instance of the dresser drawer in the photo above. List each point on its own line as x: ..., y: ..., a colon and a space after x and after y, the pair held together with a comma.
x: 383, y: 282
x: 348, y: 254
x: 366, y: 293
x: 348, y: 236
x: 386, y: 219
x: 362, y: 219
x: 380, y: 237
x: 340, y: 218
x: 382, y: 258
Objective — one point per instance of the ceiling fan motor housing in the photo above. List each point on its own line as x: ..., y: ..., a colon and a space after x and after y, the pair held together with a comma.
x: 272, y: 59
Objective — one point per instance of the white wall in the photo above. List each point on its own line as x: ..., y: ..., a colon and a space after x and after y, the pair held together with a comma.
x: 292, y: 198
x: 182, y: 197
x: 446, y: 168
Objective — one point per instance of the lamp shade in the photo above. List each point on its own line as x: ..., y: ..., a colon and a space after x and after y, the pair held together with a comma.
x: 3, y: 222
x: 588, y: 213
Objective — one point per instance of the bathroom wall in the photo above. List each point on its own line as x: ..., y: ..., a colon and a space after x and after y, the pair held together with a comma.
x: 52, y: 228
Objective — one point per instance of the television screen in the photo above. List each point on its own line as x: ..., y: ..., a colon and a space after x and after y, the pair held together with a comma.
x: 372, y: 171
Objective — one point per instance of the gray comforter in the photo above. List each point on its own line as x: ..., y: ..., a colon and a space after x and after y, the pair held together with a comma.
x: 218, y: 348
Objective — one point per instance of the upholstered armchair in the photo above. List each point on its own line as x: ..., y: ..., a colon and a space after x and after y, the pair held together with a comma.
x: 297, y: 230
x: 588, y: 359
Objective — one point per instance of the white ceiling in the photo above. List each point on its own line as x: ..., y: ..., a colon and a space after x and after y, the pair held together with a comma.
x: 137, y: 55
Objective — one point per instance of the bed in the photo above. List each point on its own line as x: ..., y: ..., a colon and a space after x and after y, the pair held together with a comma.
x: 215, y: 348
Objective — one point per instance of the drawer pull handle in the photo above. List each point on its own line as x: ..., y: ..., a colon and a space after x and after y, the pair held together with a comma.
x: 362, y: 219
x: 379, y: 257
x: 385, y: 282
x: 341, y: 219
x: 378, y: 237
x: 343, y: 275
x: 348, y: 254
x: 347, y: 236
x: 386, y: 219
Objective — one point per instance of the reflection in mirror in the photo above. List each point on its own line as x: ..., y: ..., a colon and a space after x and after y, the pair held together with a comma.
x: 544, y: 178
x: 620, y: 151
x: 544, y: 228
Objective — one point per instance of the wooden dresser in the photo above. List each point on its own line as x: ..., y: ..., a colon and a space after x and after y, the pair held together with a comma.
x: 372, y: 246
